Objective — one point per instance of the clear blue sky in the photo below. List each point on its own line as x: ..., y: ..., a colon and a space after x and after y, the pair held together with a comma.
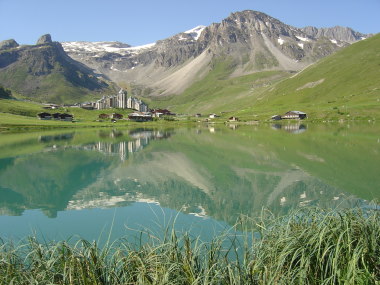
x: 141, y: 22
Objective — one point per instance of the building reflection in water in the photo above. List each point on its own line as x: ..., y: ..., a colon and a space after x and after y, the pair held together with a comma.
x: 296, y: 128
x: 140, y: 139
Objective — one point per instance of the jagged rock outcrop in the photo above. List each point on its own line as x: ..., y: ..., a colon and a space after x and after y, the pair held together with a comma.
x: 8, y: 44
x: 45, y: 39
x: 44, y: 72
x: 338, y: 33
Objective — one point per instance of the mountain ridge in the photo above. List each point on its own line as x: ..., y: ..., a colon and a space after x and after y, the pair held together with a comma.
x: 44, y: 72
x: 253, y: 40
x: 242, y: 44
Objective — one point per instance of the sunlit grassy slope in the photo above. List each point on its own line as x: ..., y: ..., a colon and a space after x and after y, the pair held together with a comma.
x: 219, y: 92
x: 24, y: 113
x: 342, y: 86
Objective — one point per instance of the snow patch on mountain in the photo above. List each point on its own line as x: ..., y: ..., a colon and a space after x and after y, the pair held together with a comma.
x: 196, y: 32
x: 303, y: 39
x: 104, y: 47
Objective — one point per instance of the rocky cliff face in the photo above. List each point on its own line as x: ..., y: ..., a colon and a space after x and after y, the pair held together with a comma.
x: 253, y: 41
x: 45, y: 72
x: 335, y: 34
x: 45, y: 39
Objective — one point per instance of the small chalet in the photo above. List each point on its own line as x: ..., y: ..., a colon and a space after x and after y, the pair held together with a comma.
x: 66, y: 117
x: 233, y: 119
x: 161, y: 112
x: 104, y: 116
x: 87, y: 106
x: 44, y: 116
x: 276, y: 118
x: 213, y: 116
x: 198, y: 115
x: 140, y: 116
x: 294, y: 115
x: 116, y: 116
x: 56, y: 116
x: 50, y: 106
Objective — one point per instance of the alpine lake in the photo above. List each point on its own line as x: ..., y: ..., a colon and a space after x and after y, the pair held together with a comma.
x: 100, y: 184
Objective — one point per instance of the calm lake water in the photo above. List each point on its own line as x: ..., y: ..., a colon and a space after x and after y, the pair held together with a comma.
x: 93, y: 183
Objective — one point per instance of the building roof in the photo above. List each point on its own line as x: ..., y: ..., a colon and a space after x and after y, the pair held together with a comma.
x: 297, y: 112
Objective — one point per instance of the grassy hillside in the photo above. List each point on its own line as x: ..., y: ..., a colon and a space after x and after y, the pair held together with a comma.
x: 341, y: 86
x: 218, y: 92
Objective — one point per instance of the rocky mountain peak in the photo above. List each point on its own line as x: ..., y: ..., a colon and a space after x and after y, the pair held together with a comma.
x: 337, y: 33
x: 7, y: 44
x: 45, y: 39
x: 251, y: 40
x: 252, y: 19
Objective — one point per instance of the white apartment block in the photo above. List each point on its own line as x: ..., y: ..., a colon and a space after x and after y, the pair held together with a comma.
x: 122, y: 101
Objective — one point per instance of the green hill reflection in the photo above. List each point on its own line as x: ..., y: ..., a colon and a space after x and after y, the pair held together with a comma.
x: 207, y: 171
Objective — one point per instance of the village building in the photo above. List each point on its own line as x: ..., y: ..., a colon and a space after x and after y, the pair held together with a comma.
x: 121, y: 101
x: 276, y: 118
x: 213, y: 116
x: 158, y: 113
x: 50, y: 106
x: 116, y: 116
x: 233, y: 119
x: 294, y: 115
x: 66, y: 117
x: 87, y: 105
x: 140, y: 116
x: 44, y: 116
x: 104, y: 116
x: 56, y: 116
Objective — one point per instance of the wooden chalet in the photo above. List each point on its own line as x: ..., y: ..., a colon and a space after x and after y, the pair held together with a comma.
x: 56, y: 116
x: 213, y: 116
x: 294, y: 115
x: 276, y: 118
x: 116, y: 116
x: 233, y: 119
x: 103, y: 116
x: 161, y: 112
x: 140, y: 116
x: 66, y: 117
x: 44, y: 116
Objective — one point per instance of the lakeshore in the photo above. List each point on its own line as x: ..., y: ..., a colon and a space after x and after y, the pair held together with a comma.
x: 311, y: 246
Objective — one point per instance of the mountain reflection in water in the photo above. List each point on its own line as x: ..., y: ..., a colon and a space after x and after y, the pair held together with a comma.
x: 219, y: 174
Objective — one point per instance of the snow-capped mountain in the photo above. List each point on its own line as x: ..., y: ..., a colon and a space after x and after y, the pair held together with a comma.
x: 252, y: 40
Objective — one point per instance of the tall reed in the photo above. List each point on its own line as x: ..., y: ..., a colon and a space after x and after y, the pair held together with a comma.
x: 310, y: 246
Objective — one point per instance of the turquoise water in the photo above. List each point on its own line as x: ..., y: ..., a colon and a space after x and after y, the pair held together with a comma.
x: 97, y: 184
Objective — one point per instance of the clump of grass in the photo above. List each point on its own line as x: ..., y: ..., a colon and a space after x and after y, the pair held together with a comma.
x: 315, y: 246
x: 307, y: 247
